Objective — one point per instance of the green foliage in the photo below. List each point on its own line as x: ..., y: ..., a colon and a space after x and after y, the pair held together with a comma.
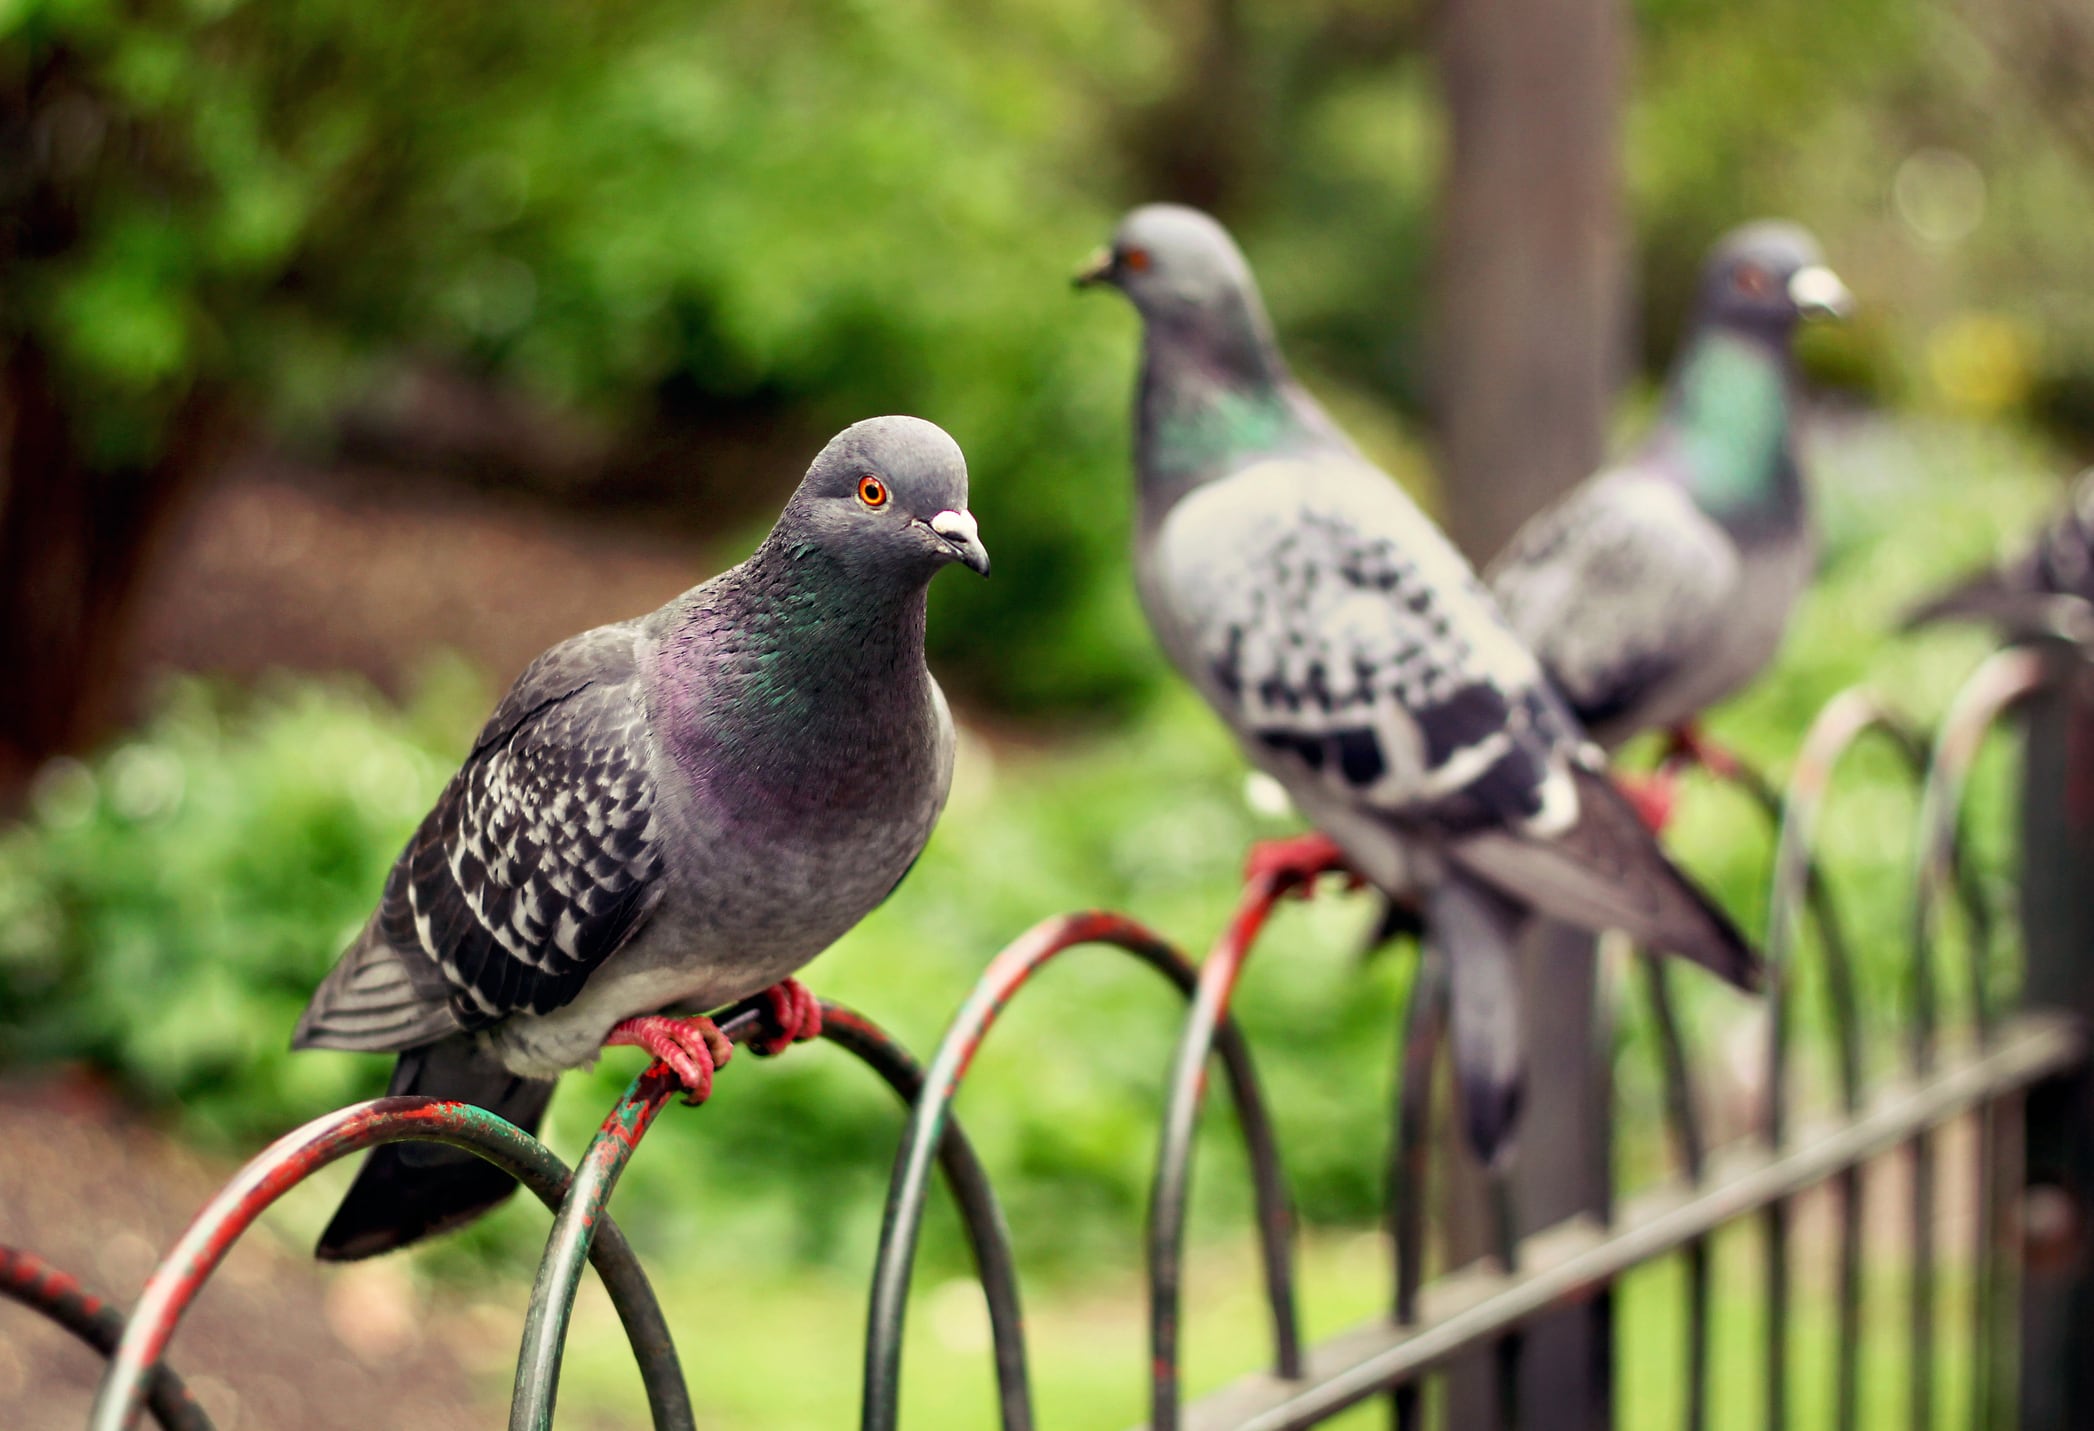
x: 815, y: 211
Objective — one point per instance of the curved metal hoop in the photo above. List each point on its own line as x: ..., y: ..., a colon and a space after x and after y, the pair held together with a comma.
x: 1171, y: 1189
x: 296, y: 1156
x: 559, y: 1272
x: 1797, y: 882
x: 59, y: 1297
x: 987, y: 1233
x: 1005, y: 975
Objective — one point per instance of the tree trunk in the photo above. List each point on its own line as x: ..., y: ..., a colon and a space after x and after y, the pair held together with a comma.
x: 1529, y: 337
x: 73, y: 542
x: 1530, y: 279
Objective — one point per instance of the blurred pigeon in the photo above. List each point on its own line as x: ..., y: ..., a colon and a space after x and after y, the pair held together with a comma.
x: 1663, y: 585
x: 1361, y: 664
x: 2021, y: 594
x: 676, y: 811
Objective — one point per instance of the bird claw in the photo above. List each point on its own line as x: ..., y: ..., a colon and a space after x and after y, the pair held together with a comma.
x: 796, y: 1016
x: 1294, y: 864
x: 694, y: 1049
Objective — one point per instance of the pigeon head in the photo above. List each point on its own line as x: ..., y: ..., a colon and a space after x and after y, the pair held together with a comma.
x: 1188, y: 280
x: 887, y: 497
x: 1168, y: 258
x: 1768, y: 275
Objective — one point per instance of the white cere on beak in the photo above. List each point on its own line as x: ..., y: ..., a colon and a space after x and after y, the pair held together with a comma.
x: 959, y: 529
x: 1817, y: 289
x: 957, y: 526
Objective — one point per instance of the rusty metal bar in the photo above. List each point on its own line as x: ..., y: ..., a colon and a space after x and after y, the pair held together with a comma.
x: 28, y: 1279
x: 581, y: 1216
x: 1996, y: 1404
x: 1424, y: 1027
x: 1568, y: 1261
x: 987, y: 1233
x: 574, y: 1228
x: 1005, y: 975
x: 1171, y: 1189
x: 1797, y: 882
x: 296, y: 1156
x: 1682, y: 1110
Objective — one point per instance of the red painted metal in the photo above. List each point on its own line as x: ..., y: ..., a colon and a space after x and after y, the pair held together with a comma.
x: 294, y: 1157
x: 1170, y: 1193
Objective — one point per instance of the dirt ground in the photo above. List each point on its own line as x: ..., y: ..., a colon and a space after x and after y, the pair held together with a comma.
x: 275, y: 1342
x: 284, y: 566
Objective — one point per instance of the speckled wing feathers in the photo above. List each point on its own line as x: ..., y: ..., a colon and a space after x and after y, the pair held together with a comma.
x: 1616, y: 590
x: 1347, y: 635
x: 537, y: 863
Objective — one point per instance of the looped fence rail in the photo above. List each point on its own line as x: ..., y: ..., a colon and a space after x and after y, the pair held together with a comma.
x: 1989, y: 1074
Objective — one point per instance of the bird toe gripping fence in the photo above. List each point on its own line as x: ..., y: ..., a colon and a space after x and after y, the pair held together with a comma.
x: 2019, y: 1076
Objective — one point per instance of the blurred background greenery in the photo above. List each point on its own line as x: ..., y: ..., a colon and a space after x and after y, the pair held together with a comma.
x: 353, y: 353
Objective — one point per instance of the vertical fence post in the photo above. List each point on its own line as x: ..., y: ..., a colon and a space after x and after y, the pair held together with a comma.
x: 2057, y: 1300
x: 1560, y: 1170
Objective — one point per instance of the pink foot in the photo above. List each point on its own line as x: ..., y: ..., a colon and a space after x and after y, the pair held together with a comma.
x: 1653, y: 796
x: 693, y: 1048
x: 796, y: 1014
x: 1293, y: 864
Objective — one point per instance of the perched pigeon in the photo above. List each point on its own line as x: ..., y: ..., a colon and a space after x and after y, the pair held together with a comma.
x: 2021, y: 595
x: 676, y: 811
x: 1361, y: 663
x: 1663, y: 584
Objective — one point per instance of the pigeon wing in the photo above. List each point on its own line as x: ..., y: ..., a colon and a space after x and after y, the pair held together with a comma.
x: 1616, y: 589
x: 537, y: 863
x: 1339, y: 631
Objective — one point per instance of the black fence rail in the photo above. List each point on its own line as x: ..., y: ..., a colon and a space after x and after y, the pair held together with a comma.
x: 2018, y: 1074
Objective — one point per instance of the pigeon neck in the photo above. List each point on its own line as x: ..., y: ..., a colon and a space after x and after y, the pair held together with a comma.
x: 1727, y: 412
x: 1212, y: 394
x: 790, y: 650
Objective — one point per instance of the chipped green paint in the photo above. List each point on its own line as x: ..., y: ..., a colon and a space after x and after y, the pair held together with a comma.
x: 567, y: 1249
x: 296, y: 1156
x: 1734, y: 422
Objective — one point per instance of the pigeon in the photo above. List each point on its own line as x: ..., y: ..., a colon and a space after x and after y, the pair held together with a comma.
x: 676, y: 811
x: 1663, y: 584
x: 1360, y: 662
x: 2021, y: 595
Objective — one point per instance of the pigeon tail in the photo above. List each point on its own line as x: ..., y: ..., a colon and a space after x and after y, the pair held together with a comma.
x: 1478, y: 933
x: 1609, y: 872
x: 408, y: 1191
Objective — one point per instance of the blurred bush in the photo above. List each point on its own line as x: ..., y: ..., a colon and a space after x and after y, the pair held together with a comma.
x: 785, y: 217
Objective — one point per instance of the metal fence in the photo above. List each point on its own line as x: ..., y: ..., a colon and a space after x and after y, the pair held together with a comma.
x: 1521, y: 1337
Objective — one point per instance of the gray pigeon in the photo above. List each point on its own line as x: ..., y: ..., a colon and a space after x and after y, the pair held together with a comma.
x: 676, y: 811
x: 2020, y: 594
x: 1663, y: 584
x: 1360, y: 662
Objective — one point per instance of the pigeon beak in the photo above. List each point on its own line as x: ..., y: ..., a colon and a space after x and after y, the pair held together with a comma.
x: 1096, y: 269
x: 1818, y: 293
x: 965, y: 538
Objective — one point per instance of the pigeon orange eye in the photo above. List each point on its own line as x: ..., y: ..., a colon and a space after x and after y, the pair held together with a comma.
x: 1752, y: 281
x: 1135, y: 260
x: 872, y: 491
